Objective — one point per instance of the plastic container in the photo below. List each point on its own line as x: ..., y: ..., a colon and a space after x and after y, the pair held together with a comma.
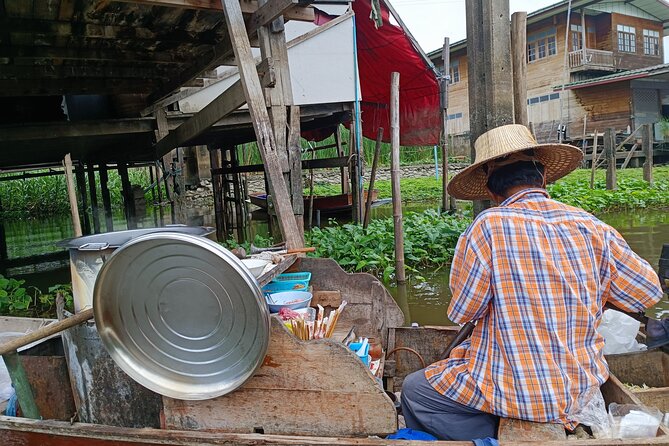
x: 275, y: 287
x: 289, y: 281
x: 289, y: 299
x: 631, y: 421
x: 256, y: 266
x: 363, y: 355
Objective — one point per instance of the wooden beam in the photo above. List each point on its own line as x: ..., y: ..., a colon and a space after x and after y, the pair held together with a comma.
x: 22, y: 52
x: 56, y: 130
x: 227, y: 102
x: 326, y: 163
x: 58, y: 87
x: 222, y: 51
x: 519, y: 58
x: 267, y: 13
x: 261, y: 122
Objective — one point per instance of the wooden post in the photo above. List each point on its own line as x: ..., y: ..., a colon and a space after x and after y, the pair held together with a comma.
x: 24, y: 392
x: 215, y: 161
x: 128, y: 198
x: 74, y: 206
x: 261, y: 122
x: 295, y: 164
x: 340, y: 153
x: 81, y: 191
x: 372, y: 176
x: 490, y: 75
x: 610, y: 150
x: 400, y: 274
x: 161, y: 132
x: 94, y: 198
x: 445, y: 81
x: 106, y: 197
x: 647, y: 142
x: 584, y: 35
x: 519, y: 57
x: 595, y: 158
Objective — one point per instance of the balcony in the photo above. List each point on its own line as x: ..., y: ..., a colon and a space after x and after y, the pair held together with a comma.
x: 591, y: 60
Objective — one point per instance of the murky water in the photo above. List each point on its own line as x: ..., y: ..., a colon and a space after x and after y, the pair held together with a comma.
x: 425, y: 303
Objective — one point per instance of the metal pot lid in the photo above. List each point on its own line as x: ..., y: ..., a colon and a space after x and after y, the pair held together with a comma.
x: 116, y: 239
x: 181, y: 315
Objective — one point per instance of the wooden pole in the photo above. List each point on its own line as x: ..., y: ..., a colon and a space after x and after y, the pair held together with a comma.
x: 595, y: 158
x: 354, y: 176
x: 345, y: 189
x: 81, y: 191
x: 92, y: 190
x: 71, y: 193
x: 445, y: 81
x: 215, y: 162
x: 295, y: 162
x: 647, y: 142
x: 261, y: 122
x: 610, y: 151
x: 106, y: 197
x: 372, y: 176
x: 400, y: 274
x: 490, y: 75
x: 128, y: 198
x: 519, y: 57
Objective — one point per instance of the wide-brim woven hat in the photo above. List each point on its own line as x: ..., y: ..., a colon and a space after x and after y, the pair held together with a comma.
x: 558, y: 159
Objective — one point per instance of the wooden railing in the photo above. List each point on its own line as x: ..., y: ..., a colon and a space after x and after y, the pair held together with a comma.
x: 591, y: 58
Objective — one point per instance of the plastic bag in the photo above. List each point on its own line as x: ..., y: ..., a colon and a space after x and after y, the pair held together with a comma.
x: 619, y: 331
x: 631, y: 421
x: 590, y: 410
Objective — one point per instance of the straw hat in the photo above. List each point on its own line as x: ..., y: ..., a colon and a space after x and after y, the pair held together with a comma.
x: 557, y: 159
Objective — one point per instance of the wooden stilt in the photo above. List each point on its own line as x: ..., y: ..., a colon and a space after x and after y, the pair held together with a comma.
x: 81, y: 191
x: 166, y: 161
x: 490, y: 75
x: 610, y: 151
x: 355, y: 178
x: 647, y: 142
x: 237, y: 190
x: 519, y: 58
x: 128, y: 198
x: 71, y: 193
x: 24, y: 392
x: 106, y: 197
x: 214, y: 158
x: 372, y: 176
x: 92, y: 189
x: 261, y: 122
x: 595, y: 158
x: 345, y: 189
x: 400, y: 274
x: 295, y: 165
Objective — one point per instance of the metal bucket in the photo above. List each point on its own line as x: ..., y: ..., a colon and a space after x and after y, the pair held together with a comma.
x: 103, y: 393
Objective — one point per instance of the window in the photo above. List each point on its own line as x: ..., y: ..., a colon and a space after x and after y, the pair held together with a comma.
x: 543, y: 98
x: 626, y: 39
x: 541, y: 45
x: 576, y: 37
x: 455, y: 72
x: 651, y: 42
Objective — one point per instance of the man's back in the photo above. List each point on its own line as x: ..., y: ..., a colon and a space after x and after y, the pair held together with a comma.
x: 536, y: 274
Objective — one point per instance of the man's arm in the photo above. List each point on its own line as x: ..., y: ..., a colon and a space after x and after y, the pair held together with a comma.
x: 470, y: 279
x: 634, y: 284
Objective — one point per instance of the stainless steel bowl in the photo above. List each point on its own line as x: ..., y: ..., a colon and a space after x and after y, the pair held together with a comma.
x: 181, y: 315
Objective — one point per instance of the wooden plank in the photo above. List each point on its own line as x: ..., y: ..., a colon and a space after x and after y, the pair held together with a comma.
x: 400, y: 273
x: 224, y: 104
x: 629, y: 156
x: 511, y: 429
x: 326, y: 298
x: 267, y: 13
x: 325, y: 373
x: 24, y: 392
x: 286, y: 263
x: 261, y: 123
x: 71, y: 193
x: 323, y: 163
x: 519, y: 62
x: 50, y: 384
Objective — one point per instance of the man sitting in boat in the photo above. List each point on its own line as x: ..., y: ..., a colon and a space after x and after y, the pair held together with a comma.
x: 534, y: 274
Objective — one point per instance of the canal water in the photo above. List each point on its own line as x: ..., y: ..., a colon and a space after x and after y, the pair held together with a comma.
x: 424, y: 303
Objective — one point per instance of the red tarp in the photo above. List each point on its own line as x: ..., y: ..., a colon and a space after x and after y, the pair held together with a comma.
x: 380, y: 52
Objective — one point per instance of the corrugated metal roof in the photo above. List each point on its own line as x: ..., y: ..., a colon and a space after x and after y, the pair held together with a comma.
x: 617, y: 77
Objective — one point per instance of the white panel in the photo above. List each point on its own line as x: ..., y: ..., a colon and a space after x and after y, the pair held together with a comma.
x: 321, y: 71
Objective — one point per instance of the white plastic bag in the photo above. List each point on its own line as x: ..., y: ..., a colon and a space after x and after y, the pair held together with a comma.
x: 619, y: 331
x: 590, y: 410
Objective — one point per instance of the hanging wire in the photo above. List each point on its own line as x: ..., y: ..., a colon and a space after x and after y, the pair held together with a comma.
x: 565, y: 73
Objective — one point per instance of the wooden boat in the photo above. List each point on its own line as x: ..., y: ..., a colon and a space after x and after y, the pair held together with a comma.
x: 307, y: 393
x: 324, y: 203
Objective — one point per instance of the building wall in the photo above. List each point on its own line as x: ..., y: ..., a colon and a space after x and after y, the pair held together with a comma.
x: 629, y: 61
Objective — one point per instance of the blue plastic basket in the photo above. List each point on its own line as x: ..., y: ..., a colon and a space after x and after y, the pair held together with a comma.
x: 274, y: 287
x: 289, y: 277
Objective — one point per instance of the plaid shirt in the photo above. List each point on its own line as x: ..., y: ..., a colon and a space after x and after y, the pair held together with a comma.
x: 536, y: 274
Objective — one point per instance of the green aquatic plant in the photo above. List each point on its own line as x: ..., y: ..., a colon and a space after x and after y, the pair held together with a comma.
x: 16, y: 300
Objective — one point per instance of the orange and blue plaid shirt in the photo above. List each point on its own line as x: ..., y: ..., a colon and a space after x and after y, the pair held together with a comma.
x: 535, y: 274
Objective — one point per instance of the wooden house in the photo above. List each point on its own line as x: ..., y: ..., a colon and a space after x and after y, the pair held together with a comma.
x: 610, y: 46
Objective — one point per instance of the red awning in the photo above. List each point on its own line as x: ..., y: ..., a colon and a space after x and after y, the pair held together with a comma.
x: 380, y: 52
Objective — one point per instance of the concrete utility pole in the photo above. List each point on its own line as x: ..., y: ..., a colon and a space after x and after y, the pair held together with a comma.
x: 490, y: 74
x: 519, y: 57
